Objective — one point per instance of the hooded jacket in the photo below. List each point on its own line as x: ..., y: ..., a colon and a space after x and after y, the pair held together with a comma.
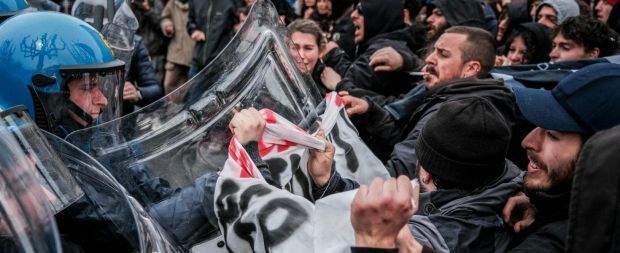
x: 594, y: 197
x: 383, y: 27
x: 391, y: 133
x: 462, y: 12
x: 451, y: 220
x: 456, y: 221
x: 517, y: 13
x: 564, y: 8
x: 542, y: 42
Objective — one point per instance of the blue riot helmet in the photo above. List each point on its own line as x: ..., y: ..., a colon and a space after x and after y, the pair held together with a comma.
x: 9, y: 8
x: 62, y: 69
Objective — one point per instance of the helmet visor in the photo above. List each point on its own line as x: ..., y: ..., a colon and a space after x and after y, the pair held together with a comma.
x: 93, y: 96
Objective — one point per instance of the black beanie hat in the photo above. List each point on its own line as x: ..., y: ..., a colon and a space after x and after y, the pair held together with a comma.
x: 465, y: 143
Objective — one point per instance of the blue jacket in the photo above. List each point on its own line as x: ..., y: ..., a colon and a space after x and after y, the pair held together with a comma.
x: 142, y: 74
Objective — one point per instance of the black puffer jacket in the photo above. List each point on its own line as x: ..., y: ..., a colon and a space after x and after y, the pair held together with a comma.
x: 215, y: 18
x: 392, y: 139
x: 142, y: 75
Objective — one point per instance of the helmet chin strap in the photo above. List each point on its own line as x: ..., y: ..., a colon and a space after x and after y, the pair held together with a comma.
x: 78, y: 115
x: 72, y: 118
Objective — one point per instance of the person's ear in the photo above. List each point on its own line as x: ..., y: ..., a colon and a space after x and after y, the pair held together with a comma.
x: 594, y: 53
x: 425, y: 177
x: 471, y: 69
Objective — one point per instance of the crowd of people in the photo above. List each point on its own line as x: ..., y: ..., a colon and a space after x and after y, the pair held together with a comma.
x: 502, y: 167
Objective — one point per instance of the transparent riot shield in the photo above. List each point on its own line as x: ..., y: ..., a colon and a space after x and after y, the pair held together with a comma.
x: 185, y: 134
x: 26, y: 222
x: 97, y: 214
x: 175, y: 142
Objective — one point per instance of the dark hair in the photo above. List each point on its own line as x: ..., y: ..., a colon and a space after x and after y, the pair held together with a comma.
x: 479, y: 46
x: 538, y: 45
x: 414, y: 7
x: 309, y: 27
x: 590, y: 33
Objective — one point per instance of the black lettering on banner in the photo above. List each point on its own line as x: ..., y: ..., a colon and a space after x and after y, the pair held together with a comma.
x: 304, y: 182
x: 229, y: 212
x: 276, y: 166
x: 346, y: 120
x: 296, y: 215
x: 242, y: 229
x: 349, y: 153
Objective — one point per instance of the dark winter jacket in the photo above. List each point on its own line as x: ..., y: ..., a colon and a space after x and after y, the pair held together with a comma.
x: 594, y: 206
x: 382, y: 28
x: 215, y: 18
x: 458, y: 221
x: 391, y: 133
x: 548, y: 232
x: 343, y: 32
x: 154, y: 38
x: 450, y: 220
x: 142, y: 75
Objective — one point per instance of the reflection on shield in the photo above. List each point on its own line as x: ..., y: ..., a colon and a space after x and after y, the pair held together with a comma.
x: 185, y: 134
x: 92, y: 210
x: 26, y: 222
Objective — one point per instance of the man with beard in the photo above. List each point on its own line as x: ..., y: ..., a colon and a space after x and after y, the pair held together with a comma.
x: 458, y: 59
x: 449, y: 13
x: 565, y: 118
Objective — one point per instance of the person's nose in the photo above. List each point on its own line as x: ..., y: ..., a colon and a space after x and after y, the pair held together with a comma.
x: 515, y: 57
x: 554, y: 53
x: 533, y: 140
x: 99, y: 98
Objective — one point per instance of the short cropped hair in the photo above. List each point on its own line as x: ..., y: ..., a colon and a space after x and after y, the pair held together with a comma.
x: 479, y: 46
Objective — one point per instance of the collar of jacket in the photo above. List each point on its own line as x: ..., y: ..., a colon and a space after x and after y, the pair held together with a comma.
x: 399, y: 34
x: 550, y: 207
x: 462, y: 85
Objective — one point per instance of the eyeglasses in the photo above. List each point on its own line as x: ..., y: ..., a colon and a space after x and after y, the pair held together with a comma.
x: 358, y: 8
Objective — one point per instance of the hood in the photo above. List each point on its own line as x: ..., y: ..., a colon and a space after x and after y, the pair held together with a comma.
x: 517, y: 14
x: 493, y: 90
x: 594, y: 200
x: 542, y: 41
x: 462, y: 12
x: 488, y: 200
x: 564, y: 8
x: 380, y: 16
x: 341, y: 7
